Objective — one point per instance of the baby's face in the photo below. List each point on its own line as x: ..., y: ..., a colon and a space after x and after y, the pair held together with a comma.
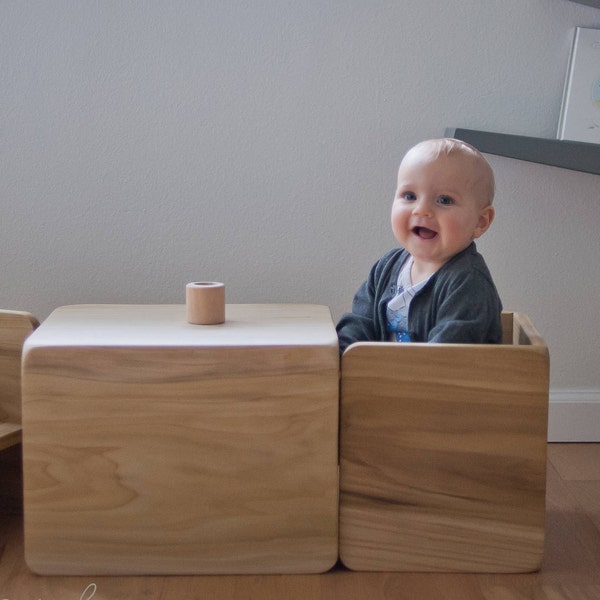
x: 439, y: 207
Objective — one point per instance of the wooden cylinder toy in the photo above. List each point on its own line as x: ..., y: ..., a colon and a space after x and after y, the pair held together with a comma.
x: 205, y: 302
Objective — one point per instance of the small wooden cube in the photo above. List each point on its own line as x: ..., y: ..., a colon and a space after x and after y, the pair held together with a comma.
x: 152, y: 446
x: 15, y: 326
x: 443, y: 454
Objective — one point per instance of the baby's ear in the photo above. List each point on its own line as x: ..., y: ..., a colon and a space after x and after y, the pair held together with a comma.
x: 486, y: 216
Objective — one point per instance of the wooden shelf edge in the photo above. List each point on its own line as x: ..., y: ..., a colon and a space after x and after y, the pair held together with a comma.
x: 576, y: 156
x: 10, y: 435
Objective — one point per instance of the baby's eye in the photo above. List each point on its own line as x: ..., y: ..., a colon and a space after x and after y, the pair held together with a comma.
x: 445, y: 200
x: 408, y: 196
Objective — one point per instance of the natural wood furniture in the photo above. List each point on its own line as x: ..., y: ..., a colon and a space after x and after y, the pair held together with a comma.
x: 570, y: 569
x: 443, y: 454
x: 152, y: 446
x: 15, y: 326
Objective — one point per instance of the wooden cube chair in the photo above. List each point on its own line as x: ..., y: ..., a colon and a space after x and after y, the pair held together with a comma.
x: 15, y: 326
x: 443, y: 454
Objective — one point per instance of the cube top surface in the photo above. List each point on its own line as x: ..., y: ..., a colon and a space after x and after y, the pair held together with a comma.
x: 165, y: 325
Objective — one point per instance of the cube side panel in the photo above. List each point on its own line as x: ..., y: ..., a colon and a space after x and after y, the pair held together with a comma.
x: 440, y: 445
x: 141, y: 461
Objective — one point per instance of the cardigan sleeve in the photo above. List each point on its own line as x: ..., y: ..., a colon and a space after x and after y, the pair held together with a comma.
x: 468, y: 312
x: 359, y: 325
x: 365, y: 323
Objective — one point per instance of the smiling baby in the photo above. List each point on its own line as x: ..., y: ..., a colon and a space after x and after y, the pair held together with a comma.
x: 435, y: 287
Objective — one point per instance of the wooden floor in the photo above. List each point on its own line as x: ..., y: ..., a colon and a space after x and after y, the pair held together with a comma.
x: 571, y: 568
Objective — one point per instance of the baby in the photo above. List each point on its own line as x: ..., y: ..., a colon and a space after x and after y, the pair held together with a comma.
x: 436, y: 287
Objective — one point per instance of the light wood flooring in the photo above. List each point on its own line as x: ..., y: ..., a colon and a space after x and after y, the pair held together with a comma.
x: 571, y: 568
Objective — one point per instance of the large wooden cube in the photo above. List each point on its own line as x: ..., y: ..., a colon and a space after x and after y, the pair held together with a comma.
x: 152, y: 446
x: 443, y: 454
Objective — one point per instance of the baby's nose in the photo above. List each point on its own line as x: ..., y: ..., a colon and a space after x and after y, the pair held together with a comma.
x: 422, y: 207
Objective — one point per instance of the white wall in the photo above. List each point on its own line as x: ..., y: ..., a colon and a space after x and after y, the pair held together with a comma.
x: 150, y: 143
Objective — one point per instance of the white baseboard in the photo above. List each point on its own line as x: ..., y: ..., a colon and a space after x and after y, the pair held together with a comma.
x: 574, y: 416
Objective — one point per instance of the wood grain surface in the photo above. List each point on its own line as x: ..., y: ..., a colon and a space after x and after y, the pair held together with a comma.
x: 15, y: 326
x: 443, y: 454
x: 10, y: 435
x: 208, y: 457
x: 570, y: 569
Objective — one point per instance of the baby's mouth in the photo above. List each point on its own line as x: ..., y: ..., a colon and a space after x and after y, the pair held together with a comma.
x: 424, y: 233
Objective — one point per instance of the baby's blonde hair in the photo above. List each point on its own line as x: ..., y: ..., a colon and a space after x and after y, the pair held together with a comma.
x: 449, y: 147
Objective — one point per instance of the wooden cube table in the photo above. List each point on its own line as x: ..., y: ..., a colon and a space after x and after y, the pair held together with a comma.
x: 443, y: 454
x: 152, y: 446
